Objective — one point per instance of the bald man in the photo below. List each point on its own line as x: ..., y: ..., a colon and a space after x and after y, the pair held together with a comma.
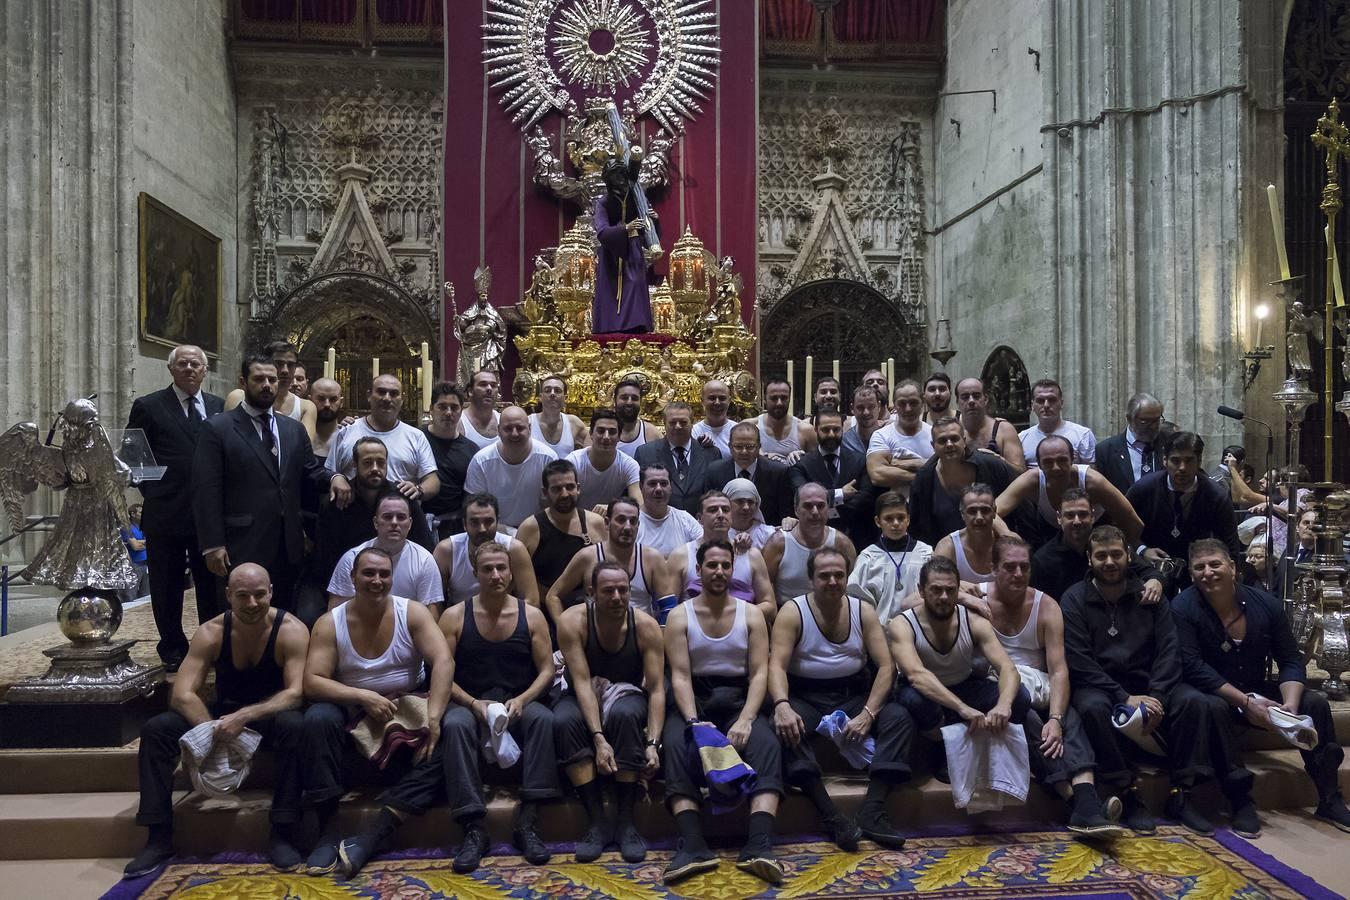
x: 714, y: 430
x: 326, y: 395
x: 263, y: 696
x: 412, y: 466
x: 511, y: 468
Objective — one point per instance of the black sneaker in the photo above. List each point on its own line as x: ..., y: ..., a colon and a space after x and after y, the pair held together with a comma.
x: 152, y: 857
x: 593, y: 844
x: 473, y: 849
x: 1180, y: 807
x: 876, y: 826
x: 687, y: 863
x: 530, y: 845
x: 632, y: 847
x: 1092, y: 823
x: 323, y: 860
x: 1135, y: 816
x: 761, y: 863
x: 844, y: 832
x: 354, y: 853
x: 1333, y: 810
x: 282, y: 853
x: 1246, y: 823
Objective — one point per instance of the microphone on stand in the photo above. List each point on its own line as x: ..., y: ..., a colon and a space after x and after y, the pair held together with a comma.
x: 1233, y: 413
x: 1239, y: 415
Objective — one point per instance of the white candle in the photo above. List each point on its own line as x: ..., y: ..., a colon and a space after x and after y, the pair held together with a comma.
x: 332, y: 363
x: 890, y: 376
x: 1335, y: 267
x: 426, y: 385
x: 836, y: 371
x: 808, y: 388
x: 374, y: 368
x: 1277, y: 222
x: 791, y: 403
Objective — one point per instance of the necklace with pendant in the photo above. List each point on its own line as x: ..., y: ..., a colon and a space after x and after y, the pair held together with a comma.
x: 1227, y: 644
x: 1113, y: 630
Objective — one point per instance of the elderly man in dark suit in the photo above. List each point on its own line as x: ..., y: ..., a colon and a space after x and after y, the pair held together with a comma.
x: 771, y: 478
x: 172, y: 419
x: 1127, y: 457
x: 687, y: 461
x: 842, y: 471
x: 247, y: 476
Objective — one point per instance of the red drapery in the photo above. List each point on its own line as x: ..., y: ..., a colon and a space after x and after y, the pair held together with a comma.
x: 852, y: 29
x: 787, y: 20
x: 887, y: 21
x: 494, y: 214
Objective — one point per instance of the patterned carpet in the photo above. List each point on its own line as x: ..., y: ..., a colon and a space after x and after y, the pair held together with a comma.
x: 1172, y: 864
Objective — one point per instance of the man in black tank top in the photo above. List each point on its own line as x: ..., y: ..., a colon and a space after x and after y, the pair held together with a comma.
x: 801, y: 699
x: 620, y: 736
x: 555, y: 535
x: 503, y: 655
x: 263, y: 694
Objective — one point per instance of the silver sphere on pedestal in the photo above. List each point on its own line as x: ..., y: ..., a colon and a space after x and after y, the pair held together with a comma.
x: 88, y: 616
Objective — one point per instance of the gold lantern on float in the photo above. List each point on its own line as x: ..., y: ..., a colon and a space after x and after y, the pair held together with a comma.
x: 574, y: 280
x: 688, y: 281
x: 663, y: 309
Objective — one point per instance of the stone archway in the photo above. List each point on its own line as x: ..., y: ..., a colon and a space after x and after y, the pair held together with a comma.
x: 838, y: 319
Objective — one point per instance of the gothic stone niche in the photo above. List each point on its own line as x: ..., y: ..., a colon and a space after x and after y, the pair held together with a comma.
x: 1007, y: 386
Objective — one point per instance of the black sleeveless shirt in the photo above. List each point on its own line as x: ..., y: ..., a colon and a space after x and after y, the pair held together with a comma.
x: 483, y: 666
x: 624, y: 665
x: 556, y: 549
x: 237, y: 688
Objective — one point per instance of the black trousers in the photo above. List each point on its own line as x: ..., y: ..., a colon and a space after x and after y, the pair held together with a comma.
x: 893, y: 729
x: 169, y: 556
x: 625, y: 729
x: 159, y: 754
x: 418, y: 787
x: 976, y: 691
x: 721, y: 705
x: 1077, y: 756
x: 1322, y: 762
x: 1189, y: 728
x: 533, y: 733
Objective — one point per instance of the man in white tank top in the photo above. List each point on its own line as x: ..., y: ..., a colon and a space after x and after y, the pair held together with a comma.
x: 934, y: 646
x: 286, y: 404
x: 1031, y: 629
x: 454, y: 555
x: 562, y: 431
x: 718, y: 652
x: 646, y: 568
x: 821, y: 649
x: 604, y: 473
x: 353, y: 672
x: 782, y: 438
x: 972, y: 548
x: 786, y: 553
x: 480, y: 418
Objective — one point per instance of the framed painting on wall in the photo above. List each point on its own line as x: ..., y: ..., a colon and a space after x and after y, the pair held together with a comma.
x: 181, y: 279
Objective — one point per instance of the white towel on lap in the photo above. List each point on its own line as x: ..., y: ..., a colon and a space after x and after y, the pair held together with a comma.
x: 499, y: 747
x: 988, y: 770
x: 217, y: 768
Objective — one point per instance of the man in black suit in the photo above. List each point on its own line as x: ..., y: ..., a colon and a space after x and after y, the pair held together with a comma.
x: 1126, y: 457
x: 247, y: 476
x: 839, y: 469
x: 686, y: 459
x: 172, y: 419
x: 771, y: 478
x: 1179, y: 505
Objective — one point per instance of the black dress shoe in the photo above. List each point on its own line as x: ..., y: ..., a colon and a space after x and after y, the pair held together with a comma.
x: 591, y: 845
x: 530, y: 845
x: 632, y: 847
x: 844, y: 832
x: 876, y: 826
x: 761, y: 863
x: 473, y: 849
x: 153, y: 856
x: 687, y: 863
x: 1181, y: 807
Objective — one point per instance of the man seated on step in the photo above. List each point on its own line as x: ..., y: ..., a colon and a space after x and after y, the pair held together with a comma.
x: 828, y: 653
x: 971, y: 549
x: 1029, y: 626
x: 364, y: 656
x: 646, y: 568
x: 612, y: 727
x: 454, y: 555
x: 786, y: 554
x: 718, y: 651
x: 888, y: 571
x: 415, y: 573
x: 663, y: 527
x: 749, y: 576
x: 504, y: 658
x: 258, y: 654
x: 1229, y: 634
x: 1123, y: 651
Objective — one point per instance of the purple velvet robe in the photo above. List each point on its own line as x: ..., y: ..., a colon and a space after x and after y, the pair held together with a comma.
x: 631, y: 309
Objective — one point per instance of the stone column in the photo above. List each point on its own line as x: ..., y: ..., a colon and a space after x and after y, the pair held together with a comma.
x: 68, y: 217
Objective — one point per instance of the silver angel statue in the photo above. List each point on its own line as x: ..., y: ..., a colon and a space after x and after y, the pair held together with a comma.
x: 481, y: 332
x: 85, y: 550
x: 1301, y: 331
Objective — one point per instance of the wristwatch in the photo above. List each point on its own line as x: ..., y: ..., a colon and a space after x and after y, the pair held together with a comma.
x: 655, y: 744
x: 1057, y: 717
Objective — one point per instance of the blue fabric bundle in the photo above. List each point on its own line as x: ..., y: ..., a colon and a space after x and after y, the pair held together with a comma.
x: 728, y: 778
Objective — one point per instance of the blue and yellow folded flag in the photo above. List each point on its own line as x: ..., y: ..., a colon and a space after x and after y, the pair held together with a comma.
x: 728, y: 778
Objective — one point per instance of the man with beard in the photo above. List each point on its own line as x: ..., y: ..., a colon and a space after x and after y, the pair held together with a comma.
x: 608, y: 639
x: 510, y: 468
x: 1029, y: 626
x: 897, y: 451
x: 1047, y: 402
x: 718, y: 651
x: 822, y: 647
x: 971, y: 548
x: 1126, y: 457
x: 633, y: 431
x: 714, y: 429
x: 787, y: 554
x: 264, y: 696
x: 687, y: 461
x: 479, y: 421
x: 782, y: 438
x: 1063, y: 562
x: 888, y: 571
x: 983, y: 433
x: 645, y: 566
x: 603, y: 473
x: 557, y: 534
x: 935, y: 495
x: 622, y: 298
x: 749, y: 576
x: 660, y: 525
x: 1229, y: 635
x: 248, y: 473
x: 770, y: 478
x: 452, y: 452
x: 415, y: 574
x: 300, y: 381
x: 745, y: 515
x: 826, y: 396
x: 284, y: 404
x: 326, y: 395
x: 411, y: 464
x: 1122, y: 651
x: 937, y: 397
x: 454, y: 555
x: 837, y: 469
x: 503, y: 655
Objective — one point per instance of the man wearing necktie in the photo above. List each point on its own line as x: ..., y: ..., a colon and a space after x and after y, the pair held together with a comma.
x: 770, y: 478
x: 839, y: 469
x: 686, y: 459
x: 1127, y: 457
x: 171, y: 420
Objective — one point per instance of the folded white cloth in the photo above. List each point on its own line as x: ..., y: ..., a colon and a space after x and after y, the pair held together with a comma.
x: 1297, y: 730
x: 988, y: 770
x: 1130, y: 721
x: 217, y: 768
x: 498, y: 745
x: 1037, y: 684
x: 857, y: 754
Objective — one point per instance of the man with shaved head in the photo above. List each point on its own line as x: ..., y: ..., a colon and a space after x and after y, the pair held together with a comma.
x: 326, y: 395
x: 412, y: 466
x: 263, y: 696
x: 511, y: 468
x: 714, y: 429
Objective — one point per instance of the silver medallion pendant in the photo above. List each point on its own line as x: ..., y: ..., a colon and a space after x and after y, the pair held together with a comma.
x: 1176, y: 532
x: 1225, y: 646
x: 1113, y: 631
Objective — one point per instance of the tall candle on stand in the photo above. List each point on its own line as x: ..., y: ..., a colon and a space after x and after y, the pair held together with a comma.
x: 426, y: 376
x: 791, y: 404
x: 807, y: 388
x: 835, y: 371
x: 332, y: 363
x: 374, y: 368
x: 890, y: 377
x: 1277, y: 222
x: 1335, y: 267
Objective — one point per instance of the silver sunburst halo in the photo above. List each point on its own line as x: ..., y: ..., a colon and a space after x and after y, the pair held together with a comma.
x: 578, y: 25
